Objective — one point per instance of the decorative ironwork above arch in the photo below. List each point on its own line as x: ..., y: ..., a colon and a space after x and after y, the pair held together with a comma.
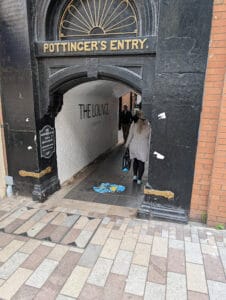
x: 95, y: 18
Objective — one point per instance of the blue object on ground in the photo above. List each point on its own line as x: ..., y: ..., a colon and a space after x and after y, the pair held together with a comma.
x: 109, y: 188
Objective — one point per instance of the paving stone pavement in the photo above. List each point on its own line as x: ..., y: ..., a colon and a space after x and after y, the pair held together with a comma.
x: 106, y: 257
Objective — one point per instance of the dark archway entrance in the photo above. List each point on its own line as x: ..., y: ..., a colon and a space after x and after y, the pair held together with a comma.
x: 87, y: 125
x: 89, y: 146
x: 139, y: 46
x: 72, y: 77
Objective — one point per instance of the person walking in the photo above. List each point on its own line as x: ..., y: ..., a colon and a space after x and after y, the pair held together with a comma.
x: 138, y: 143
x: 125, y: 121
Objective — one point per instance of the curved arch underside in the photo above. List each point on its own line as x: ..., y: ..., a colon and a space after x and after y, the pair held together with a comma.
x: 67, y: 78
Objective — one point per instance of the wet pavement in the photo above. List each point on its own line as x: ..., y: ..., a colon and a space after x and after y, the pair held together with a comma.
x: 110, y: 170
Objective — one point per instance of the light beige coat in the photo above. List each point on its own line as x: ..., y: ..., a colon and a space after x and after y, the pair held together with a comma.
x: 139, y: 143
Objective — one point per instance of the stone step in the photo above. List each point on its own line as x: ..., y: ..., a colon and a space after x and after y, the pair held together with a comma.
x: 152, y: 209
x: 168, y: 210
x: 171, y: 217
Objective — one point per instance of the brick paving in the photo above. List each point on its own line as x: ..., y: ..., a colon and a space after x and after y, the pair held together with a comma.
x: 115, y: 257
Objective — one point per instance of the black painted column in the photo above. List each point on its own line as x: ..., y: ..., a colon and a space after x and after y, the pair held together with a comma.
x: 19, y: 97
x: 182, y: 50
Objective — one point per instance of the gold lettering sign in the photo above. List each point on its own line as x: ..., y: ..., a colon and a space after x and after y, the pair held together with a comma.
x: 95, y: 46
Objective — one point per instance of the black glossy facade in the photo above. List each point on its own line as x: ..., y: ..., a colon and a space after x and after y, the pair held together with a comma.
x: 170, y: 77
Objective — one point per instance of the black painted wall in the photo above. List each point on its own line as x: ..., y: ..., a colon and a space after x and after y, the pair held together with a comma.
x: 171, y: 81
x: 183, y: 39
x: 17, y: 92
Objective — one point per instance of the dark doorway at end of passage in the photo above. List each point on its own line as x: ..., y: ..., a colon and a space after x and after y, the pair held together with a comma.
x: 109, y: 170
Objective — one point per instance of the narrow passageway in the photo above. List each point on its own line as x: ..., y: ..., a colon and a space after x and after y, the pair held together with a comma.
x: 109, y: 170
x: 87, y: 126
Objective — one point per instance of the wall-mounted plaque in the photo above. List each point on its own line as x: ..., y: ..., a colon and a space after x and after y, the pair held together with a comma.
x: 47, y: 141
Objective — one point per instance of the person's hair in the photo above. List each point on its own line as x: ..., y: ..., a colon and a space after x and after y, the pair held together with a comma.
x: 141, y: 125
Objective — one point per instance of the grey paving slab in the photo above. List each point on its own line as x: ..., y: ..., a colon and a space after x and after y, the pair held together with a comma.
x: 75, y: 282
x: 194, y: 238
x: 106, y: 220
x: 210, y: 250
x: 83, y: 239
x: 34, y: 230
x: 172, y: 232
x: 41, y: 213
x: 136, y: 280
x: 176, y: 244
x: 176, y: 287
x: 196, y: 279
x: 42, y: 273
x: 100, y: 272
x: 110, y: 248
x: 193, y: 253
x: 89, y: 257
x: 154, y: 291
x: 10, y: 266
x: 122, y: 263
x: 19, y: 212
x: 70, y: 220
x: 160, y: 246
x: 217, y: 290
x: 13, y: 284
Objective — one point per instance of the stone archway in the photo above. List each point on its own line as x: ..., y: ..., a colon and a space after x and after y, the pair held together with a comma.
x: 59, y: 79
x: 58, y: 83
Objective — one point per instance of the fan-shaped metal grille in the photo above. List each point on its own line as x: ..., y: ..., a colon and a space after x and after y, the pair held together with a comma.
x: 92, y: 18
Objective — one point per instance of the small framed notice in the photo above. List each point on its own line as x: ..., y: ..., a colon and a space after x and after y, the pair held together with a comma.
x: 47, y: 141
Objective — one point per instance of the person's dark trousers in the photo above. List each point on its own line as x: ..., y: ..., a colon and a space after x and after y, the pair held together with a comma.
x: 125, y: 130
x: 138, y: 168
